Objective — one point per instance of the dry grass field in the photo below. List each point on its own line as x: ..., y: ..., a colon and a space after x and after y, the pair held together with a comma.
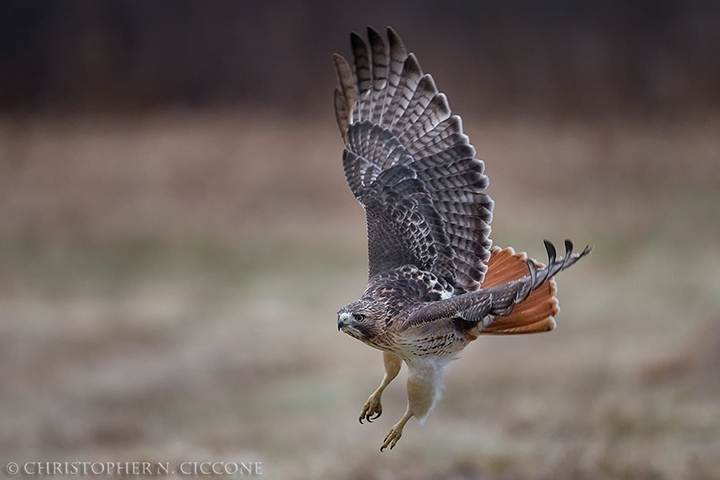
x: 169, y: 283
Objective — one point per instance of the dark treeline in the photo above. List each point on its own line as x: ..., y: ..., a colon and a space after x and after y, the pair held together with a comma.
x: 551, y: 57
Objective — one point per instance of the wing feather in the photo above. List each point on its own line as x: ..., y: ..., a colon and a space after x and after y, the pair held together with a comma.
x: 409, y: 80
x: 499, y: 303
x: 347, y: 88
x: 397, y: 126
x: 446, y: 135
x: 396, y: 64
x: 424, y: 92
x: 379, y: 73
x: 363, y: 73
x: 342, y: 112
x: 436, y: 111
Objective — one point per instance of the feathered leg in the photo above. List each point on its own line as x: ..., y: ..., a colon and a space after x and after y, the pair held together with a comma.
x: 373, y: 406
x: 424, y: 389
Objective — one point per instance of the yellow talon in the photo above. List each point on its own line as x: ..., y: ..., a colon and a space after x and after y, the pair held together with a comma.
x: 372, y: 409
x: 392, y: 438
x: 396, y: 431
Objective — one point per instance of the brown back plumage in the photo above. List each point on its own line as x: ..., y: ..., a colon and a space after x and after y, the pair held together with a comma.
x: 410, y: 165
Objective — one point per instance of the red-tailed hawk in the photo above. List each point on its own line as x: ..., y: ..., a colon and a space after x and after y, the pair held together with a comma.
x: 435, y: 283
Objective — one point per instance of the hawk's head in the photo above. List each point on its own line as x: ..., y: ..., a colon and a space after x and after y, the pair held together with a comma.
x: 360, y: 319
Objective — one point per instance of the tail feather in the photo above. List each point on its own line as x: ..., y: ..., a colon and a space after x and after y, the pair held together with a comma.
x: 544, y: 325
x: 534, y: 314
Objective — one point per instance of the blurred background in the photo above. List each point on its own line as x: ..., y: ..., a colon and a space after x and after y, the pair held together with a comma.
x: 176, y: 236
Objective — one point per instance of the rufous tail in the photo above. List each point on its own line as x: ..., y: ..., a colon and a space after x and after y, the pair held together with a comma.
x: 533, y: 315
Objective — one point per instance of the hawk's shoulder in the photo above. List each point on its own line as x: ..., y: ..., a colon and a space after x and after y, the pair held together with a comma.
x: 406, y: 287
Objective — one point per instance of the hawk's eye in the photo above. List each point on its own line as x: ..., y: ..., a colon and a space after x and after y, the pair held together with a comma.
x: 359, y: 317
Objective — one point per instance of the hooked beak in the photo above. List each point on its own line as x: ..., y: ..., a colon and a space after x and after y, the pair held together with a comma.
x: 342, y: 320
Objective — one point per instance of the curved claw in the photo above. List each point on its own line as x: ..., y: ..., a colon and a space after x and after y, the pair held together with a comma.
x: 392, y: 438
x: 371, y: 410
x: 369, y: 417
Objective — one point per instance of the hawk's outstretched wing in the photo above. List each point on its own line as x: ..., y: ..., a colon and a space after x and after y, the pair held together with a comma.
x: 501, y: 298
x: 412, y: 168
